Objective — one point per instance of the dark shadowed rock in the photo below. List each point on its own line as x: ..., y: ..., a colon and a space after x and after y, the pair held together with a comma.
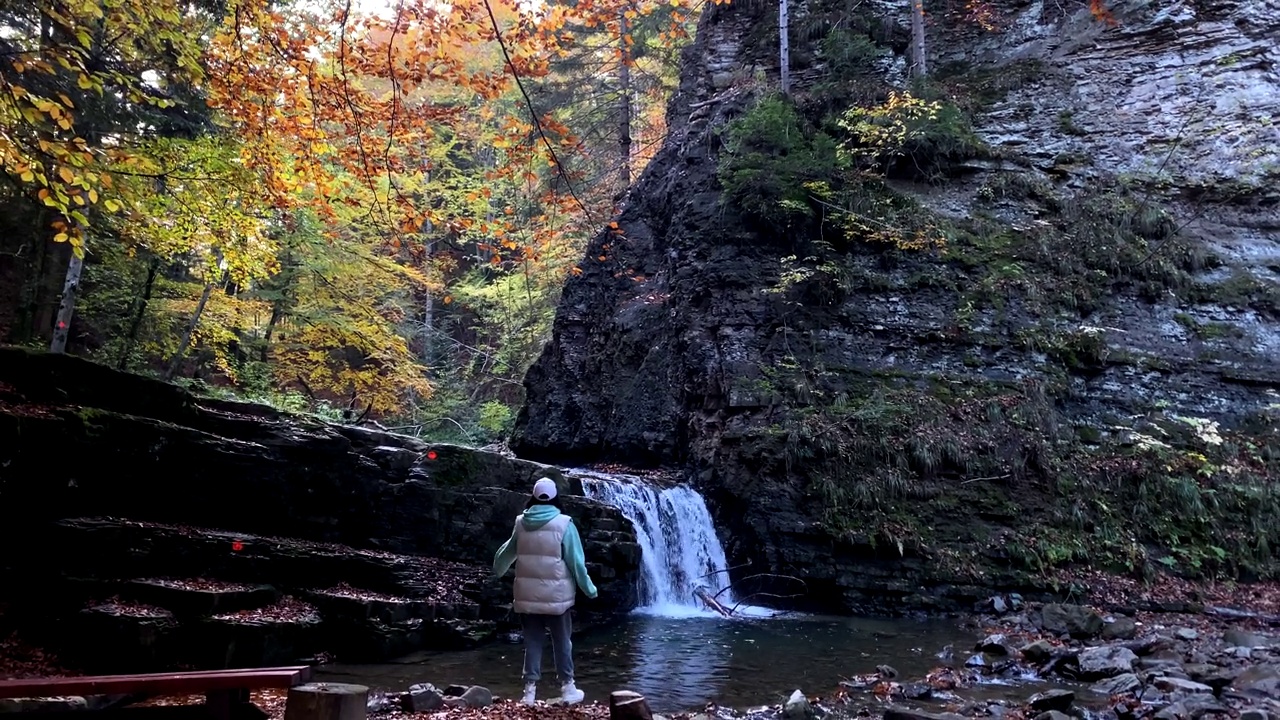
x: 1037, y: 652
x: 1075, y: 620
x: 1122, y: 628
x: 1119, y: 685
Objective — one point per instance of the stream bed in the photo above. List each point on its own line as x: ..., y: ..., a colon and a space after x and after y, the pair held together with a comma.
x: 683, y: 663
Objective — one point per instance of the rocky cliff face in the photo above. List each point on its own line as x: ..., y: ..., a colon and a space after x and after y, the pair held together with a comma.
x: 1085, y: 373
x: 117, y: 485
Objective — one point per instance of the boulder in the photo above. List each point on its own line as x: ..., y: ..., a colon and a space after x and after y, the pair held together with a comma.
x: 1074, y: 620
x: 1179, y: 686
x: 1259, y: 681
x: 423, y: 697
x: 1097, y: 663
x: 477, y: 696
x: 1119, y: 685
x: 1037, y: 652
x: 1122, y: 628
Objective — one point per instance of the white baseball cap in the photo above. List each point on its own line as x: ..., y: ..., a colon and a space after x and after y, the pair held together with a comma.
x: 545, y: 489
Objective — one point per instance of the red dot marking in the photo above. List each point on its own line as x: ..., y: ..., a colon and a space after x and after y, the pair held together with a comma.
x: 61, y: 325
x: 237, y: 546
x: 431, y: 455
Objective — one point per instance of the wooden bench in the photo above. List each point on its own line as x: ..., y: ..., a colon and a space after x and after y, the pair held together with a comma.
x: 226, y: 692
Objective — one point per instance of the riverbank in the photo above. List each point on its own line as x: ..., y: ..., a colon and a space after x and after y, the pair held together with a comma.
x: 1050, y: 662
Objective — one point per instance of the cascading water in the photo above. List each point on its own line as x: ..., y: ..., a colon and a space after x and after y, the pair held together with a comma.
x: 679, y: 548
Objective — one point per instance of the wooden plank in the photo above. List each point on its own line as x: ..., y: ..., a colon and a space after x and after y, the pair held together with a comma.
x: 158, y: 684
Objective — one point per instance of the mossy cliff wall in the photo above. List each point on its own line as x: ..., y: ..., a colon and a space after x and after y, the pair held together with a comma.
x: 1039, y: 334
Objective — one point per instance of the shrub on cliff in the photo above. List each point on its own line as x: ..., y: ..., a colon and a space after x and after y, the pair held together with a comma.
x: 768, y: 159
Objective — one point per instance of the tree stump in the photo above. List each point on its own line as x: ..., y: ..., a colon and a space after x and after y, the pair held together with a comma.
x: 627, y: 705
x: 327, y: 701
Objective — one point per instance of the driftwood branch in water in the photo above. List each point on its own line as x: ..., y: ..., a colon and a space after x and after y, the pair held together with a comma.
x: 711, y: 602
x: 766, y: 575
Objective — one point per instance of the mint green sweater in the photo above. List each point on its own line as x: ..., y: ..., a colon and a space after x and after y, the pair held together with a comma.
x: 571, y: 548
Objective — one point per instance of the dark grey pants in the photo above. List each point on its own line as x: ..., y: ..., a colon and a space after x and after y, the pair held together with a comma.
x: 536, y: 628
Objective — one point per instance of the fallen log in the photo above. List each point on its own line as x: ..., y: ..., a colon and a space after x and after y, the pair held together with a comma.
x: 1234, y: 614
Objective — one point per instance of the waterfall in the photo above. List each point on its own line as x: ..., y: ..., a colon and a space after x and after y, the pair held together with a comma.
x: 678, y: 543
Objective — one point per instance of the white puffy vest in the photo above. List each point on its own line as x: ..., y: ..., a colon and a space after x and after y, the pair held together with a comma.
x: 543, y: 585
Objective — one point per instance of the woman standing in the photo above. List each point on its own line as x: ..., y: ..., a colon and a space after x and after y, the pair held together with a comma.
x: 550, y: 569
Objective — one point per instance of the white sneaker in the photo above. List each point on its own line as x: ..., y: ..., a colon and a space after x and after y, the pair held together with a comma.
x: 570, y: 694
x: 530, y: 693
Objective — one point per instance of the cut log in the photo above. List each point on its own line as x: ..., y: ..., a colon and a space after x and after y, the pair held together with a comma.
x: 327, y: 701
x: 627, y: 705
x: 711, y: 602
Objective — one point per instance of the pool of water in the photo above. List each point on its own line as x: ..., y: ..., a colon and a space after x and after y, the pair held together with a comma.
x: 684, y: 663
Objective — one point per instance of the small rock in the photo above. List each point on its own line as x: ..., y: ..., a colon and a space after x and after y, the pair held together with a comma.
x: 998, y: 604
x: 1053, y: 715
x: 1241, y: 638
x: 1118, y: 685
x: 1037, y: 652
x: 1192, y: 708
x: 1015, y: 601
x: 1254, y: 714
x: 423, y: 697
x: 1103, y: 662
x: 1061, y: 700
x: 1122, y: 628
x: 917, y: 691
x: 1186, y: 634
x: 1212, y: 675
x: 905, y: 713
x: 455, y: 690
x: 887, y: 672
x: 379, y: 703
x: 1178, y: 685
x: 993, y: 645
x: 975, y: 661
x: 797, y: 707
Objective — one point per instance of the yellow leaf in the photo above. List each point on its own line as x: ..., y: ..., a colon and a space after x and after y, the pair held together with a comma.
x: 66, y: 175
x: 19, y: 67
x: 93, y: 195
x: 112, y: 205
x: 84, y: 82
x: 28, y: 176
x: 61, y: 237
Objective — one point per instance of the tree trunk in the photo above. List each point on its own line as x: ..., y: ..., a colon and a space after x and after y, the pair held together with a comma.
x: 628, y: 705
x: 327, y: 701
x: 624, y: 105
x: 784, y: 46
x: 175, y: 362
x: 918, y: 66
x: 138, y: 314
x: 67, y: 307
